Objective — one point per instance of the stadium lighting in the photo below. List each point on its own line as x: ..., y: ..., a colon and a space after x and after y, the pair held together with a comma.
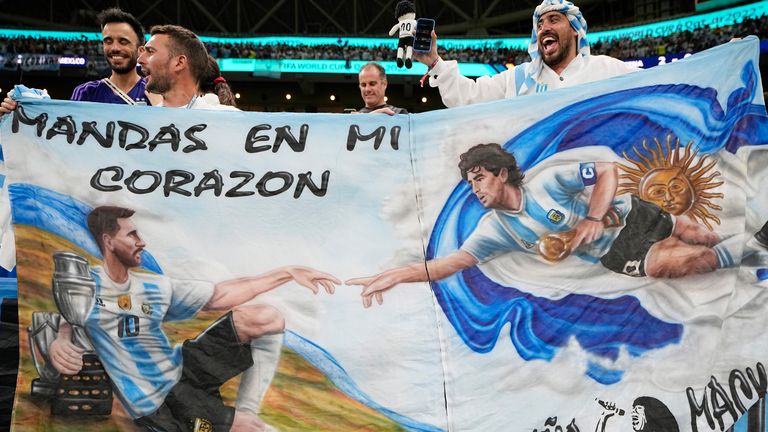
x: 237, y: 95
x: 423, y: 99
x: 288, y: 96
x: 333, y: 97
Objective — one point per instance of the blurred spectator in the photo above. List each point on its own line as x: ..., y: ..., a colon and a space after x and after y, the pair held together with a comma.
x: 623, y: 48
x: 214, y: 88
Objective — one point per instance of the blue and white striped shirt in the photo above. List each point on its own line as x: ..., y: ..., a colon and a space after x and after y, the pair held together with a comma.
x: 125, y: 328
x: 555, y: 200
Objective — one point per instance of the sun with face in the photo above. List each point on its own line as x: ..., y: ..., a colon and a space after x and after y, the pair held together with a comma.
x: 675, y: 179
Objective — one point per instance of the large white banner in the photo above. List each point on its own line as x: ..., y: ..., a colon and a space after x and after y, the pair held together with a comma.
x: 583, y: 259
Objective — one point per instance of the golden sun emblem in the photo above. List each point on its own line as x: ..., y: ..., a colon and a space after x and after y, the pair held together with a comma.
x: 679, y: 184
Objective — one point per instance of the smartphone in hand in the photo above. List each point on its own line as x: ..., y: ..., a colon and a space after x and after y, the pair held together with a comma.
x: 423, y: 40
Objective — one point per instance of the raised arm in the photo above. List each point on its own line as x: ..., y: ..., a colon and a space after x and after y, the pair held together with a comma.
x: 436, y: 269
x: 235, y: 292
x: 458, y: 90
x: 591, y: 228
x: 609, y: 409
x: 394, y: 29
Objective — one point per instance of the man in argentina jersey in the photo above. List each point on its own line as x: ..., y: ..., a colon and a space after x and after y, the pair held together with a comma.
x: 165, y: 387
x: 122, y: 35
x: 578, y: 203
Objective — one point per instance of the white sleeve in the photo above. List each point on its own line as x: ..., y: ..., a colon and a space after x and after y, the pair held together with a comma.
x: 189, y: 296
x: 489, y: 240
x: 457, y: 90
x: 610, y: 67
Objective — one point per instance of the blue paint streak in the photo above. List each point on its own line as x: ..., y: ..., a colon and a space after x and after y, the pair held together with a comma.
x: 602, y: 374
x: 478, y: 308
x: 762, y: 274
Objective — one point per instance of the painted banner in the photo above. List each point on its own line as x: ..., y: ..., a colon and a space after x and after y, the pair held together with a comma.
x: 586, y: 259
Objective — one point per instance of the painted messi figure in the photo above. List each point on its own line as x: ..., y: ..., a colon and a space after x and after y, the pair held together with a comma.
x: 653, y: 220
x: 167, y: 388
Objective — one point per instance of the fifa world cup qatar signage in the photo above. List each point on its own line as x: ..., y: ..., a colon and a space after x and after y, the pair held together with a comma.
x: 588, y: 259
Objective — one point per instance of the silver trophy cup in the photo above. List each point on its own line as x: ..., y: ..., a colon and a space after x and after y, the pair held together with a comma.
x: 45, y: 328
x: 74, y: 292
x: 89, y: 392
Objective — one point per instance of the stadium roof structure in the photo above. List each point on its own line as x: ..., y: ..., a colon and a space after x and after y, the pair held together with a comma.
x: 325, y: 17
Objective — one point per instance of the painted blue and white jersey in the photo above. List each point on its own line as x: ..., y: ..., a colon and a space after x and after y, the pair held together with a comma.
x: 125, y: 328
x: 554, y: 200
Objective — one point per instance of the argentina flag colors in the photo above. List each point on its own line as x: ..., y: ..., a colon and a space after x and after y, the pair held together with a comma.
x: 662, y: 316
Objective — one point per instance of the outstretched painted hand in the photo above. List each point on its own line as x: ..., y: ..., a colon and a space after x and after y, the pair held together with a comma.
x: 313, y: 279
x: 374, y: 286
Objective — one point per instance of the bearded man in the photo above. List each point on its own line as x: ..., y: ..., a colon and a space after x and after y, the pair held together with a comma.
x: 560, y: 57
x: 122, y: 35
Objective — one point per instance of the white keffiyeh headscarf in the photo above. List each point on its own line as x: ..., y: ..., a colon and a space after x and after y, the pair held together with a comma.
x: 533, y: 69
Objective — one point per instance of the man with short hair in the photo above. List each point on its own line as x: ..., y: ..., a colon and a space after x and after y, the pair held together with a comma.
x: 122, y: 35
x: 372, y: 80
x: 560, y: 57
x: 624, y: 233
x: 175, y: 61
x: 166, y: 388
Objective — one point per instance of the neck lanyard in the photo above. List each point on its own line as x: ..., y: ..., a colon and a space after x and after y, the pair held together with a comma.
x: 191, y: 102
x: 117, y: 91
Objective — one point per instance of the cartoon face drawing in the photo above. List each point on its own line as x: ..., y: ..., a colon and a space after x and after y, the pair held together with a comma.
x: 677, y: 180
x: 668, y: 188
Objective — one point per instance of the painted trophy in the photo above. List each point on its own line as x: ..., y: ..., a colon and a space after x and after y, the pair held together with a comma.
x: 89, y: 391
x: 556, y: 247
x: 45, y: 328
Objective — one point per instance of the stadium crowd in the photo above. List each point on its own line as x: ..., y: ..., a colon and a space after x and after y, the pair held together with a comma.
x: 624, y: 48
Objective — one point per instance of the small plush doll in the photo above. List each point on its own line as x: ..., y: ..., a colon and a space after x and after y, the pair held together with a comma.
x: 405, y: 12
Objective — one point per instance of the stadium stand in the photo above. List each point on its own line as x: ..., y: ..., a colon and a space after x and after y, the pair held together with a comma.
x: 624, y: 48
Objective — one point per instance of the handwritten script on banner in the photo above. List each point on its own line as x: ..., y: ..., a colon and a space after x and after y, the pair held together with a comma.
x: 585, y: 259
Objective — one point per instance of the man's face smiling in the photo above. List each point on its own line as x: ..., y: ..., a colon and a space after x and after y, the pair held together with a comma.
x: 155, y: 60
x: 121, y: 47
x: 126, y: 244
x: 487, y: 187
x: 556, y: 39
x: 372, y: 87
